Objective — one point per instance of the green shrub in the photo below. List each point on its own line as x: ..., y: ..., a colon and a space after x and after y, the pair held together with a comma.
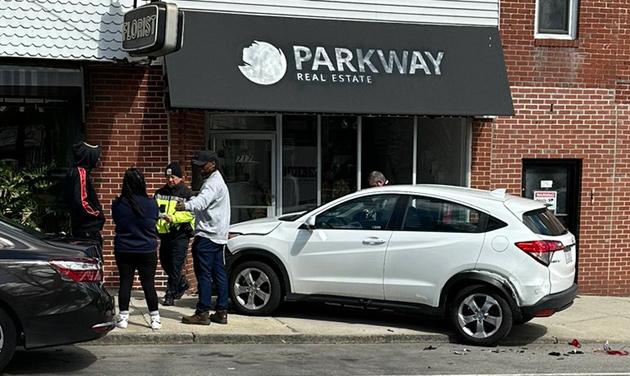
x: 25, y: 194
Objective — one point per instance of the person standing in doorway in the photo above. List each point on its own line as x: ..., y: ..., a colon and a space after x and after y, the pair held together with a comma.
x: 175, y: 229
x: 86, y: 213
x: 211, y: 209
x: 377, y: 179
x: 135, y: 245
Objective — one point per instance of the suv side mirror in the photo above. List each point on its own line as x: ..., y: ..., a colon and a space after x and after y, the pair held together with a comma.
x: 310, y: 223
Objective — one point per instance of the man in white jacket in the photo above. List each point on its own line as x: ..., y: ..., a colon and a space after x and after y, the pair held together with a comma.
x: 211, y: 209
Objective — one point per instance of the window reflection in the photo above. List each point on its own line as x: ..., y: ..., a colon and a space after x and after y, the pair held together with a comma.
x: 299, y: 163
x: 339, y: 156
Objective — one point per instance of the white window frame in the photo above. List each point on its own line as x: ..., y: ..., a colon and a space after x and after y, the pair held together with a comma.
x: 573, y: 21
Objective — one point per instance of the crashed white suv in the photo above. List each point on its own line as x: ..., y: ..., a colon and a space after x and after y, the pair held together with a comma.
x: 488, y: 260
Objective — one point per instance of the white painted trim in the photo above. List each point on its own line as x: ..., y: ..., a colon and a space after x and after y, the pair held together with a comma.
x: 414, y: 170
x: 319, y: 160
x: 573, y: 22
x: 359, y: 148
x: 279, y: 167
x: 447, y: 12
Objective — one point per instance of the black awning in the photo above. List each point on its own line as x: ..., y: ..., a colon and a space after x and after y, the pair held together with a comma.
x: 256, y: 63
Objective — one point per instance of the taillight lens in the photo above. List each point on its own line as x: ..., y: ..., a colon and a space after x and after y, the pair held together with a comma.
x: 81, y: 270
x: 541, y: 250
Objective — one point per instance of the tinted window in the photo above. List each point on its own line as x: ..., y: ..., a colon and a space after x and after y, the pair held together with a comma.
x: 430, y: 214
x: 363, y: 213
x: 494, y: 224
x: 543, y: 222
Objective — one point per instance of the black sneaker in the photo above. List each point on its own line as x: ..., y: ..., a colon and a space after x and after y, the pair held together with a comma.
x: 168, y: 301
x: 181, y: 291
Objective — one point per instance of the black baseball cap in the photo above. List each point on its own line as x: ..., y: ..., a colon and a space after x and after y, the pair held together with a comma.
x: 203, y: 157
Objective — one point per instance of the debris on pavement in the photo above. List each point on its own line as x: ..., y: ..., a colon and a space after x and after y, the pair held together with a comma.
x: 554, y: 353
x: 430, y: 347
x: 575, y: 343
x: 555, y: 339
x: 606, y: 349
x: 461, y: 352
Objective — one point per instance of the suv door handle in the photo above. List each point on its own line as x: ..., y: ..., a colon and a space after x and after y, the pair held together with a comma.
x: 373, y: 241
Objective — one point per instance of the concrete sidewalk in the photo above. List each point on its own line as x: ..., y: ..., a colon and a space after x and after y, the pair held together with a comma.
x: 592, y: 319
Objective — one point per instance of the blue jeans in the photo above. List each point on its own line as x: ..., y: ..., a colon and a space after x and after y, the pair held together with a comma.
x: 209, y: 264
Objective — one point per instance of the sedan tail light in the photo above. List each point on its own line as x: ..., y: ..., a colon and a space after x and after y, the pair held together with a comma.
x: 80, y: 270
x: 541, y: 250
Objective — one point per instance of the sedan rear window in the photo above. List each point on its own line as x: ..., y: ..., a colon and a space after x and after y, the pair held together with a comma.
x: 544, y: 222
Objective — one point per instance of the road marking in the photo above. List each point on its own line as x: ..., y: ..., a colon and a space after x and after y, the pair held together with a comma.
x: 530, y: 374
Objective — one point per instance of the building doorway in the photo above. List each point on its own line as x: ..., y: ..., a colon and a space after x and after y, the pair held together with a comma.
x: 557, y: 181
x: 247, y: 162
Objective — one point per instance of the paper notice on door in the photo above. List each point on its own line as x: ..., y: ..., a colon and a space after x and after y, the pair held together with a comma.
x: 550, y: 198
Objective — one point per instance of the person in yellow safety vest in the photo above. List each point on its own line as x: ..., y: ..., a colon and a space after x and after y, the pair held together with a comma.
x: 175, y: 228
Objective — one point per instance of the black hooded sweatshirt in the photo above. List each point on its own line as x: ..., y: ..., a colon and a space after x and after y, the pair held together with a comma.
x: 86, y: 212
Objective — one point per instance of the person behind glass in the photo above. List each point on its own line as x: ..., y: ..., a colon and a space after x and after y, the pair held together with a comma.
x: 174, y: 229
x: 135, y: 245
x: 377, y: 179
x: 86, y: 213
x: 211, y: 209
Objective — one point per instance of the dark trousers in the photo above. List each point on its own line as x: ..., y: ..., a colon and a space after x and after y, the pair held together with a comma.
x: 209, y: 262
x: 172, y: 258
x: 146, y: 264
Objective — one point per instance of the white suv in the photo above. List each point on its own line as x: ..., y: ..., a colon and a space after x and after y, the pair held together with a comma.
x: 488, y: 260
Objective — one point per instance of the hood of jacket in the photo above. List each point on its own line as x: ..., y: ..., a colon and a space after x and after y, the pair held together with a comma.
x: 86, y: 155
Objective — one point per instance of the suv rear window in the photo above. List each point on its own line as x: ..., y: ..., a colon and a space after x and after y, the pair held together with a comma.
x: 544, y: 222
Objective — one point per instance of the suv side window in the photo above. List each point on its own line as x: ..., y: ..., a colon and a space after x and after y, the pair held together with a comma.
x: 435, y: 215
x: 363, y: 213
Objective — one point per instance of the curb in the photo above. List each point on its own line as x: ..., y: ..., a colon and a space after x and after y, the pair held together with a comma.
x: 232, y: 339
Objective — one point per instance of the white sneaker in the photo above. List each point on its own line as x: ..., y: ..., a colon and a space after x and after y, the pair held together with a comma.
x: 155, y: 323
x: 155, y: 320
x: 123, y: 321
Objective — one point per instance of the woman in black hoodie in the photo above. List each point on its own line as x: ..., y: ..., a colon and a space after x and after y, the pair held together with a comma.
x: 135, y: 244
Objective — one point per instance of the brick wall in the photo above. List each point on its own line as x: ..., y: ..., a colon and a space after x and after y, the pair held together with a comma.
x: 571, y: 101
x: 127, y: 116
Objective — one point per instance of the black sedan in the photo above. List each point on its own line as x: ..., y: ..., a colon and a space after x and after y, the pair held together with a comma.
x: 51, y: 291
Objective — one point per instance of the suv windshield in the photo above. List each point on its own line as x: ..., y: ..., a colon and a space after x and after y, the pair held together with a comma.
x: 544, y: 222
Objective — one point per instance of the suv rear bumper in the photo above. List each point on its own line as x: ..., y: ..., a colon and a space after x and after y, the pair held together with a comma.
x: 555, y: 302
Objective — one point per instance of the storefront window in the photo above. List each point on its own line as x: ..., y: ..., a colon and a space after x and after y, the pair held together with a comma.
x: 387, y: 148
x: 339, y: 156
x: 299, y: 163
x: 443, y: 151
x: 34, y: 132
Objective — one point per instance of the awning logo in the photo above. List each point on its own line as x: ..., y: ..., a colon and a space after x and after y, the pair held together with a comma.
x: 264, y: 64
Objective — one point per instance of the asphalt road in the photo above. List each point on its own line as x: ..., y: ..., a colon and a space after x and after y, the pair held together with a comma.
x: 261, y: 359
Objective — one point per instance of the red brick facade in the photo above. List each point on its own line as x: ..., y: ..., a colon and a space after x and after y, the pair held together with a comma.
x: 571, y: 101
x: 126, y: 114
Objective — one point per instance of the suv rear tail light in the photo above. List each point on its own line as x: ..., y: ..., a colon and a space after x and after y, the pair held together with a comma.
x: 541, y: 250
x: 80, y: 270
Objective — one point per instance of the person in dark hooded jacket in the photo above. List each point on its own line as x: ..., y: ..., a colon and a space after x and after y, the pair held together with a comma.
x: 86, y: 212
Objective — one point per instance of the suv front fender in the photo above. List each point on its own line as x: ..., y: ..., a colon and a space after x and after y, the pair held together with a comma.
x: 242, y: 255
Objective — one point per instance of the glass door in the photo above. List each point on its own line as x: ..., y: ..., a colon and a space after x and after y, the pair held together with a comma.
x: 247, y: 162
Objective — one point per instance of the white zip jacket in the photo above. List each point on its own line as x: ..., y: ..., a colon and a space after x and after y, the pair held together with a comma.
x: 212, y: 209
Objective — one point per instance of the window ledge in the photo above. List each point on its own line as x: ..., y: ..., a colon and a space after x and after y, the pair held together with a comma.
x: 574, y: 43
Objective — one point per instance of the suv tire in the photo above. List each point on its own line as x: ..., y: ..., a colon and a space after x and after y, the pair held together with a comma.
x: 480, y: 315
x: 254, y: 288
x: 8, y: 339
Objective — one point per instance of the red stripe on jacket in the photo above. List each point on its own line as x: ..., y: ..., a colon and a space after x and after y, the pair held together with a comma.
x: 83, y: 182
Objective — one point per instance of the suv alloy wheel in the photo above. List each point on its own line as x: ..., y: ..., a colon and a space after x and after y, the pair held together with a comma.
x: 480, y: 315
x: 254, y: 288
